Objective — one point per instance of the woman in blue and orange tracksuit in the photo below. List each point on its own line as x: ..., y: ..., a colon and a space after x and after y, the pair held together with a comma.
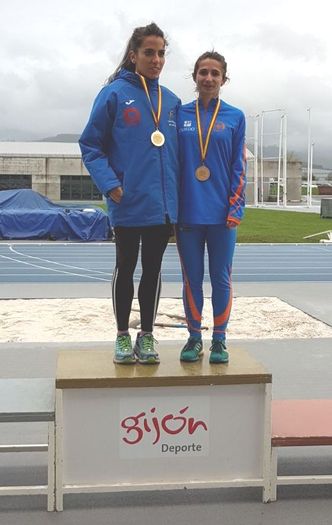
x: 130, y: 149
x: 212, y: 184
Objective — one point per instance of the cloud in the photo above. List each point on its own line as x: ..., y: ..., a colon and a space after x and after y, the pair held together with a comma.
x: 56, y: 56
x: 287, y: 43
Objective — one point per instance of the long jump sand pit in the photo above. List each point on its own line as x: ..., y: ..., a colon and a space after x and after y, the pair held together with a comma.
x: 76, y: 320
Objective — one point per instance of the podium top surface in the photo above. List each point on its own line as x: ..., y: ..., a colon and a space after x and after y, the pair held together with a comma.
x: 95, y: 369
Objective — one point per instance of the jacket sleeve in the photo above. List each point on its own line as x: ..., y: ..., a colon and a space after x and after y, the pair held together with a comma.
x: 238, y: 174
x: 95, y: 141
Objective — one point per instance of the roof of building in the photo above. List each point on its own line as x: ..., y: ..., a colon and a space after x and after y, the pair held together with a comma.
x: 40, y: 149
x: 49, y: 149
x: 318, y: 171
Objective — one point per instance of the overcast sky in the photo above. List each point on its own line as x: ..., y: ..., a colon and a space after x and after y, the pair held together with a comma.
x: 56, y: 55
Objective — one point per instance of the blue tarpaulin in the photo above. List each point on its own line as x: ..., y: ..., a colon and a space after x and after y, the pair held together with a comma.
x: 26, y: 214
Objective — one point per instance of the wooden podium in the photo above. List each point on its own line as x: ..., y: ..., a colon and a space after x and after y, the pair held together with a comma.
x: 166, y: 426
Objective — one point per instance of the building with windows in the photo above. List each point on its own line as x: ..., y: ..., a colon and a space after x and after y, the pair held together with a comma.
x: 319, y: 175
x: 54, y: 169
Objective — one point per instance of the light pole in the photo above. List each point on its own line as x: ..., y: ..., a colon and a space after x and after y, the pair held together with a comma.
x: 282, y: 144
x: 256, y: 124
x: 262, y: 159
x: 284, y: 157
x: 309, y: 160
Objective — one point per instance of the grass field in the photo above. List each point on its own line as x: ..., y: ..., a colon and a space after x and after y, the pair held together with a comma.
x: 268, y: 226
x: 281, y: 226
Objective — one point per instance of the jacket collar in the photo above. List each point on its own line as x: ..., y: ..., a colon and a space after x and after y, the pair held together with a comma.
x: 133, y: 78
x: 212, y: 103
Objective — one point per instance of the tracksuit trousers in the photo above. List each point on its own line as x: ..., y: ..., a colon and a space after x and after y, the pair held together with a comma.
x: 220, y: 243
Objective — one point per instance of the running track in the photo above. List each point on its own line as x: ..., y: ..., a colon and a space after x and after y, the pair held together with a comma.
x: 30, y: 262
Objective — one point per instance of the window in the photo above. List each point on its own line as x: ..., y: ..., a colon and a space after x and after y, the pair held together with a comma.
x: 15, y: 182
x: 77, y: 188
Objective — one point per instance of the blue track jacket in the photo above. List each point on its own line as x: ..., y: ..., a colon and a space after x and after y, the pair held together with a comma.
x: 221, y: 197
x: 117, y: 151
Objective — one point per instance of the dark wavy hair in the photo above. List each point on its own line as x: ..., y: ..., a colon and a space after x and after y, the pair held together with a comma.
x: 214, y: 56
x: 134, y: 43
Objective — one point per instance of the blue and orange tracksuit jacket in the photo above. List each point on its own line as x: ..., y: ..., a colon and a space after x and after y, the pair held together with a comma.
x: 221, y: 197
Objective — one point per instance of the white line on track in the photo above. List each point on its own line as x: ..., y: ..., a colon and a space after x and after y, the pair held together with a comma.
x: 63, y: 272
x: 58, y: 264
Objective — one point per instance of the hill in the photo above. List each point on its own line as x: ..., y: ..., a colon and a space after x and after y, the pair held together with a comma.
x: 62, y: 137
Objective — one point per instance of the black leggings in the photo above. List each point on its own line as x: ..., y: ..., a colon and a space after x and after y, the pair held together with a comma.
x: 154, y: 241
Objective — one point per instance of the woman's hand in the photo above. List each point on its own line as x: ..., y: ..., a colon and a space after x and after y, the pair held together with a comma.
x: 116, y: 194
x: 231, y: 224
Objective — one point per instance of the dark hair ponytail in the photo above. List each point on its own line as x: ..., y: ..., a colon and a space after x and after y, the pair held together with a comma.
x: 134, y: 43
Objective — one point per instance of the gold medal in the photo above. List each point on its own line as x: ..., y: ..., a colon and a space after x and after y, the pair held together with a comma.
x: 157, y: 138
x: 202, y: 173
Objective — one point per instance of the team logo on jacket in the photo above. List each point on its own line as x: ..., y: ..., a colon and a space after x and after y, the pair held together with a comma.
x: 187, y: 126
x: 219, y: 126
x: 131, y: 116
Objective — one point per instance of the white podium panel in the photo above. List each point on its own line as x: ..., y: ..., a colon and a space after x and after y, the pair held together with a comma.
x: 126, y: 436
x: 172, y: 425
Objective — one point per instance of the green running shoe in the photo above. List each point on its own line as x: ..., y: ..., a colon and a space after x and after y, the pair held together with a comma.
x: 218, y: 352
x: 144, y: 350
x: 192, y: 350
x: 124, y: 354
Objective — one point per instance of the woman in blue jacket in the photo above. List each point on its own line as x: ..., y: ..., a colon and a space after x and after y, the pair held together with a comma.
x: 129, y: 147
x: 212, y: 153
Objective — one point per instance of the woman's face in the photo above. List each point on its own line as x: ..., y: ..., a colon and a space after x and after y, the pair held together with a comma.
x: 209, y: 77
x: 149, y: 59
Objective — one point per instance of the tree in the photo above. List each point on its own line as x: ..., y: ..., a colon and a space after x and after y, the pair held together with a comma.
x: 292, y: 157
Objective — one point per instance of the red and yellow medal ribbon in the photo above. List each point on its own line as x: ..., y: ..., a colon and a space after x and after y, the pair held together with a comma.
x: 156, y: 115
x: 204, y: 146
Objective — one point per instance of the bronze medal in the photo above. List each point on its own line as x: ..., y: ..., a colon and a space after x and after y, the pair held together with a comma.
x: 157, y: 138
x: 202, y: 173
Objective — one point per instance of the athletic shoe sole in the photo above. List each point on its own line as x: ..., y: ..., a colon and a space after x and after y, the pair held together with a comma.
x: 223, y: 362
x: 125, y: 361
x: 186, y: 360
x: 149, y: 361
